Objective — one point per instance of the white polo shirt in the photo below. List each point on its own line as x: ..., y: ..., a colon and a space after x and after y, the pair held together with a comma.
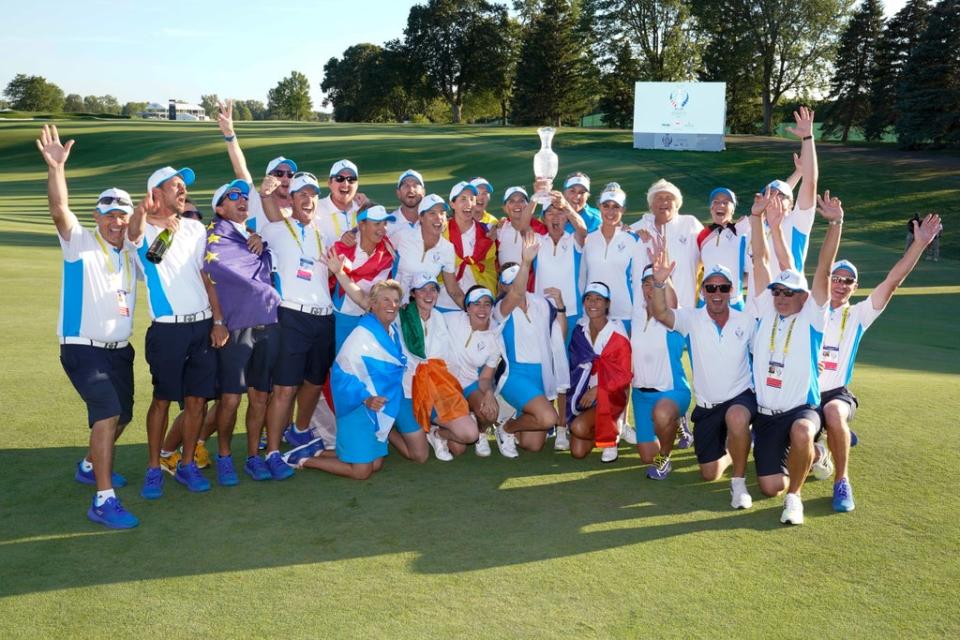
x: 436, y: 344
x: 681, y: 241
x: 559, y: 265
x: 469, y: 240
x: 719, y: 358
x: 333, y: 222
x: 400, y: 225
x: 657, y: 353
x: 523, y: 331
x: 347, y: 306
x: 256, y: 218
x: 510, y: 243
x: 841, y: 339
x: 728, y: 249
x: 175, y: 287
x: 786, y: 374
x: 796, y: 234
x: 612, y: 264
x: 298, y: 262
x: 413, y: 259
x: 99, y: 288
x: 470, y: 351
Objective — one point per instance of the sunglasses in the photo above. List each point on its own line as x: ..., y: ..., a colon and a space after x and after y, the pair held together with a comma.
x: 713, y: 288
x: 233, y: 196
x: 339, y: 178
x: 280, y: 173
x: 195, y: 215
x: 112, y: 200
x: 842, y: 280
x: 305, y: 174
x: 788, y: 293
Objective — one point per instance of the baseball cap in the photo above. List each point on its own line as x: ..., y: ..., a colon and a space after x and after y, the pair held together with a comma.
x: 782, y: 187
x: 730, y: 194
x: 241, y: 185
x: 429, y: 202
x: 845, y: 264
x: 512, y: 190
x: 613, y: 193
x: 583, y: 181
x: 599, y: 288
x: 508, y: 275
x: 279, y: 160
x: 476, y: 294
x: 375, y: 214
x: 304, y: 179
x: 791, y: 279
x: 410, y: 173
x: 160, y: 176
x: 344, y: 165
x: 482, y: 182
x: 121, y: 201
x: 718, y: 270
x: 459, y: 188
x: 423, y: 279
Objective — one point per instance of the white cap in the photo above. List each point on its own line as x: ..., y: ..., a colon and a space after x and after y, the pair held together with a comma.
x: 429, y: 202
x: 240, y: 185
x: 512, y: 190
x: 613, y: 193
x: 845, y: 264
x: 410, y: 173
x: 791, y: 279
x: 304, y: 179
x: 160, y: 176
x: 421, y: 280
x: 476, y: 294
x: 718, y: 270
x: 121, y: 201
x: 459, y: 188
x: 583, y: 181
x: 647, y: 272
x: 664, y: 185
x: 344, y: 165
x: 508, y: 275
x: 375, y: 214
x: 279, y: 160
x: 482, y: 182
x: 781, y: 186
x: 599, y: 288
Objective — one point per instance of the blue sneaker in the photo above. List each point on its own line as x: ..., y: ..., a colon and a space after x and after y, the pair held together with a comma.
x: 152, y: 484
x: 263, y: 442
x: 278, y: 468
x: 112, y: 514
x: 256, y: 468
x: 87, y: 477
x: 190, y: 477
x: 295, y: 439
x: 226, y: 475
x: 660, y: 468
x: 309, y: 450
x: 853, y: 438
x: 843, y: 496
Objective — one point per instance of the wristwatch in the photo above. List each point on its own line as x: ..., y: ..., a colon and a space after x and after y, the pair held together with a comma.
x: 219, y: 323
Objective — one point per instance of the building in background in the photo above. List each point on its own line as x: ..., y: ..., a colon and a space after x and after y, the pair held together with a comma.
x: 175, y: 110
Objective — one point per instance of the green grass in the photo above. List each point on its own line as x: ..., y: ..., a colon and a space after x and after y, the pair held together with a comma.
x: 539, y: 547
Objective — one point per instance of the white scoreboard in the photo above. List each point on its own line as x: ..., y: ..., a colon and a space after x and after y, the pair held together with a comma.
x: 686, y: 116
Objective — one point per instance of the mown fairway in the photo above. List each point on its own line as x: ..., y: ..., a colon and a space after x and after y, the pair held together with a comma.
x: 538, y: 547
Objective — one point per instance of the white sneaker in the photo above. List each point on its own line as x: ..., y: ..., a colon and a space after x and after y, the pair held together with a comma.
x: 823, y: 467
x: 792, y: 510
x: 629, y: 434
x: 609, y: 454
x: 562, y: 443
x: 482, y: 447
x: 739, y: 496
x: 440, y: 448
x: 506, y: 442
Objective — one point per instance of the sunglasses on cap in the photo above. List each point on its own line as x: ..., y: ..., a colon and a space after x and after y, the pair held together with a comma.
x: 789, y: 293
x: 842, y: 280
x: 108, y: 200
x: 713, y: 288
x: 305, y: 174
x: 192, y: 214
x: 280, y: 173
x: 339, y: 178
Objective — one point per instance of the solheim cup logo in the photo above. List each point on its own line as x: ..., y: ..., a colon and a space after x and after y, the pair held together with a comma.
x: 679, y: 98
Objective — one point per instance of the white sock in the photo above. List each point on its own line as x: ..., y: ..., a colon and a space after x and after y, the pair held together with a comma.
x: 165, y: 454
x: 103, y: 496
x: 297, y: 429
x: 270, y: 453
x: 86, y: 466
x: 738, y: 482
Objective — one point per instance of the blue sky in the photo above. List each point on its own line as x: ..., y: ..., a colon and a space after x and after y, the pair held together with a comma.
x: 152, y: 51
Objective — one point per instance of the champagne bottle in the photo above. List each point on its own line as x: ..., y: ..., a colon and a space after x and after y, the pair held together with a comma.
x: 159, y: 247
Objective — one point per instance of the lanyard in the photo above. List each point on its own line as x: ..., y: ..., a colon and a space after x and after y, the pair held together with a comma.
x: 297, y: 240
x: 773, y: 334
x: 843, y: 324
x: 125, y: 281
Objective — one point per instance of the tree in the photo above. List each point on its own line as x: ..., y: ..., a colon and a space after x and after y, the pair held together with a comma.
x: 73, y: 103
x: 290, y: 99
x: 929, y: 95
x: 616, y: 99
x: 853, y: 70
x: 549, y: 87
x: 729, y: 58
x: 448, y: 43
x: 241, y: 111
x: 133, y: 109
x: 353, y: 84
x: 34, y: 93
x: 663, y: 31
x: 257, y: 109
x: 210, y: 104
x: 900, y: 37
x: 792, y: 40
x: 92, y: 104
x: 109, y: 104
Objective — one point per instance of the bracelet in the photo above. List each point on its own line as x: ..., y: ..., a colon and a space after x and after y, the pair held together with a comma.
x: 219, y: 323
x: 659, y: 285
x: 806, y: 138
x: 561, y: 309
x: 836, y: 222
x: 230, y: 138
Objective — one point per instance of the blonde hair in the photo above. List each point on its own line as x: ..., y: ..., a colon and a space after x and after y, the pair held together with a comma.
x: 386, y: 285
x: 664, y: 185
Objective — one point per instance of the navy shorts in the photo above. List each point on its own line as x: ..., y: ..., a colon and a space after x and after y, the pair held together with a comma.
x: 306, y: 348
x: 182, y: 361
x: 248, y: 359
x: 103, y: 378
x: 710, y: 426
x: 771, y: 438
x: 840, y: 393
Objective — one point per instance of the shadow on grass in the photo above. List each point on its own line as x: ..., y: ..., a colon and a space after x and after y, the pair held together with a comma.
x: 468, y: 515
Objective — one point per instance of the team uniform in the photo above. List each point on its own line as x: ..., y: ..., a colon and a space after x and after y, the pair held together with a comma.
x: 97, y: 298
x: 785, y: 357
x: 591, y: 218
x: 604, y: 364
x: 612, y: 264
x: 436, y: 343
x: 399, y: 225
x: 333, y: 222
x: 413, y: 260
x: 181, y: 358
x: 475, y: 259
x: 720, y: 361
x: 558, y: 265
x: 680, y: 236
x: 796, y: 233
x: 365, y: 270
x: 256, y: 218
x: 657, y: 371
x: 510, y: 241
x: 726, y: 246
x: 471, y: 350
x: 306, y: 310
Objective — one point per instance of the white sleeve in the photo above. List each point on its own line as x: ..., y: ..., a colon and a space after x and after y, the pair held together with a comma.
x: 763, y: 304
x: 803, y: 220
x: 866, y: 313
x: 448, y: 259
x: 683, y: 321
x: 817, y: 315
x: 71, y: 247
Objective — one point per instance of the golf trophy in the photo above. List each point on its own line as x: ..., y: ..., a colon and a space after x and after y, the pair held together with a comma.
x: 545, y: 164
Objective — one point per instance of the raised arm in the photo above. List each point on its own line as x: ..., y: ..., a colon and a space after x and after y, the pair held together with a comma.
x: 135, y: 227
x: 832, y: 210
x: 335, y: 265
x: 659, y: 303
x: 579, y: 226
x: 453, y: 288
x: 758, y: 245
x: 270, y: 207
x: 526, y: 216
x: 518, y: 290
x: 794, y: 178
x: 809, y: 169
x: 237, y: 159
x: 775, y: 223
x: 55, y: 155
x: 923, y: 235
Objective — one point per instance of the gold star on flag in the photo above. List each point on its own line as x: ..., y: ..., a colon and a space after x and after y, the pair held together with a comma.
x: 210, y: 257
x: 210, y: 227
x: 213, y: 238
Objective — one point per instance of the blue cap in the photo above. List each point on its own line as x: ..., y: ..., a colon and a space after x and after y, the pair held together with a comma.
x: 410, y: 173
x: 730, y: 194
x: 459, y: 188
x: 375, y: 214
x: 160, y: 176
x: 279, y: 160
x: 482, y: 182
x: 240, y: 185
x: 845, y: 264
